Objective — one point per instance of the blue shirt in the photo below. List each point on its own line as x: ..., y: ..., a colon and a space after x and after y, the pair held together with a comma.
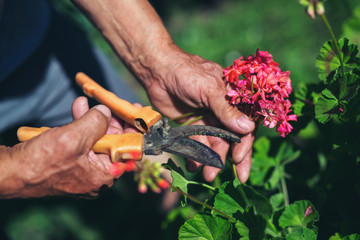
x: 23, y: 25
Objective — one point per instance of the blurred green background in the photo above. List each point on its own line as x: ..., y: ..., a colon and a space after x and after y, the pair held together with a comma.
x: 217, y: 30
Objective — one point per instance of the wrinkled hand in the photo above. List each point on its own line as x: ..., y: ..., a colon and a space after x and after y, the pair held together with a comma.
x: 60, y: 161
x: 188, y: 83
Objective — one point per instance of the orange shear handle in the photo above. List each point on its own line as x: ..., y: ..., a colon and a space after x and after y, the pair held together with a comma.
x: 120, y: 147
x: 141, y: 118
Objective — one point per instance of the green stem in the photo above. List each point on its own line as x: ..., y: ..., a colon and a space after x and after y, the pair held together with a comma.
x: 323, y: 17
x: 203, y: 185
x: 198, y: 112
x: 203, y: 204
x: 285, y: 191
x: 243, y: 195
x: 182, y: 116
x: 306, y: 101
x: 234, y: 170
x: 192, y: 120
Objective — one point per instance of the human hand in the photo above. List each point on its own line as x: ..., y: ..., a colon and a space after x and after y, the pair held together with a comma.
x: 60, y: 161
x: 184, y: 83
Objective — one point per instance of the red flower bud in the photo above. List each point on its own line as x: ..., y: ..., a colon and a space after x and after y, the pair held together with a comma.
x: 142, y: 188
x: 308, y: 211
x: 162, y: 183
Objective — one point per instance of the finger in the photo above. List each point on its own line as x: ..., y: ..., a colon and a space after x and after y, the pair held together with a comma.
x: 229, y: 115
x: 243, y: 168
x: 91, y: 126
x: 240, y: 150
x: 79, y: 107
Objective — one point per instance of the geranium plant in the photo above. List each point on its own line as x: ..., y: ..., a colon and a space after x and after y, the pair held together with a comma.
x: 261, y: 209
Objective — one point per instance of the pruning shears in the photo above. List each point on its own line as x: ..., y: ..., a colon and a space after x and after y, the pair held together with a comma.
x: 155, y: 136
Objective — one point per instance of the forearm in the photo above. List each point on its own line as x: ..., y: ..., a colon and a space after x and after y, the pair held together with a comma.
x: 134, y: 30
x: 10, y: 184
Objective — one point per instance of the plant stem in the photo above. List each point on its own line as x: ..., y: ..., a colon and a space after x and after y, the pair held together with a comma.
x: 284, y: 190
x: 198, y: 112
x: 182, y: 116
x: 192, y: 120
x: 247, y: 202
x: 202, y: 184
x: 338, y: 52
x: 192, y: 198
x: 306, y: 101
x: 234, y: 170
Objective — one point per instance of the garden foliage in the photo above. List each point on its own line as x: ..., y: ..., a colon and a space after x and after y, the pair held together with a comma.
x: 261, y: 209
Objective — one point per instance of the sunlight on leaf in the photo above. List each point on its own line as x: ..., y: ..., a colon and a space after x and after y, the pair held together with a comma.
x: 327, y: 62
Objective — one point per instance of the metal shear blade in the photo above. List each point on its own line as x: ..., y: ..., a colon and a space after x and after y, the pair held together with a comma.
x: 196, y: 151
x: 174, y: 140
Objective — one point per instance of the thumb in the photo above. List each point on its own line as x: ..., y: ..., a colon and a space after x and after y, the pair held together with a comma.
x: 230, y: 116
x: 91, y: 126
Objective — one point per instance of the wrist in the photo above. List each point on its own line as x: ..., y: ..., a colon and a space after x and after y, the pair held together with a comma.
x: 157, y: 63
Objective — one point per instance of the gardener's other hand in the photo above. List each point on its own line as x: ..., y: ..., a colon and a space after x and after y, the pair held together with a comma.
x: 186, y: 83
x: 60, y: 161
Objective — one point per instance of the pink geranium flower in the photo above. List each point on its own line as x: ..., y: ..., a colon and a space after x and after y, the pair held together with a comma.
x: 260, y: 89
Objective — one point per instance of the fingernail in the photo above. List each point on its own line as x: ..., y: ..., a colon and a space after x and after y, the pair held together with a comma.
x: 104, y: 110
x: 245, y: 123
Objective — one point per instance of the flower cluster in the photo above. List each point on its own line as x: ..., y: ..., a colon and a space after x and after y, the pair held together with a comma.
x: 147, y: 174
x: 260, y: 89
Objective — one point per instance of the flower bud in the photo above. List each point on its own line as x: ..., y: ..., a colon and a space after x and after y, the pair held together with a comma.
x: 320, y: 9
x: 308, y: 211
x: 310, y: 11
x: 142, y: 188
x: 162, y: 183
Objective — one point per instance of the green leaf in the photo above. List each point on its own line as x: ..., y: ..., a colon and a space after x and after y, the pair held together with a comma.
x: 301, y: 233
x: 328, y: 61
x: 254, y: 222
x: 352, y: 237
x: 179, y: 180
x: 266, y: 170
x: 277, y: 201
x: 234, y: 199
x: 349, y: 86
x: 326, y: 106
x: 204, y: 226
x: 294, y: 215
x: 180, y: 214
x: 257, y: 201
x: 243, y: 230
x: 300, y: 98
x: 228, y: 200
x: 335, y: 237
x: 263, y: 165
x: 349, y: 237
